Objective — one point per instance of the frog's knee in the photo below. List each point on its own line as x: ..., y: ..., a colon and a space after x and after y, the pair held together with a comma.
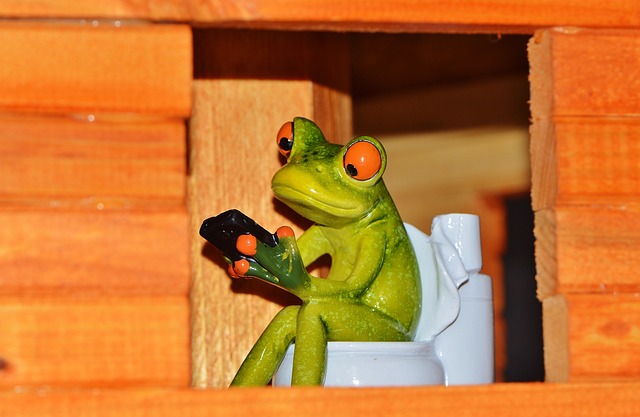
x: 288, y: 314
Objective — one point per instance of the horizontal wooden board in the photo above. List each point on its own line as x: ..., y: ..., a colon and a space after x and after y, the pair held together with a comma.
x: 585, y: 72
x: 585, y: 161
x: 598, y: 160
x: 602, y: 336
x: 93, y: 252
x: 63, y: 68
x: 94, y: 342
x: 65, y: 160
x: 536, y: 399
x: 506, y: 15
x: 588, y: 249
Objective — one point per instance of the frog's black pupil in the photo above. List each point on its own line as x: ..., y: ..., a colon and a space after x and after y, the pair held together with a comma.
x: 351, y: 170
x: 285, y: 144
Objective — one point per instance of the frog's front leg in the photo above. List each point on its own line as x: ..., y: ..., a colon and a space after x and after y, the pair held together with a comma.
x: 281, y: 265
x: 265, y: 356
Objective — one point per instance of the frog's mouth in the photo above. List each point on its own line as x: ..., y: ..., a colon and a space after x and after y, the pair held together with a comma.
x: 307, y: 204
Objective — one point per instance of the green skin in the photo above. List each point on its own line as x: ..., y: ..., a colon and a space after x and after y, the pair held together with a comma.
x: 372, y: 292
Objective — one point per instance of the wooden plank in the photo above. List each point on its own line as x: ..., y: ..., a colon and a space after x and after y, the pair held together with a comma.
x: 246, y: 91
x: 65, y: 68
x: 544, y: 165
x: 601, y: 400
x: 579, y: 80
x: 585, y: 72
x: 592, y: 337
x: 405, y: 15
x: 555, y: 333
x: 94, y: 342
x: 603, y: 336
x: 585, y: 161
x: 598, y: 160
x: 596, y: 249
x: 132, y: 162
x: 93, y: 252
x: 544, y: 231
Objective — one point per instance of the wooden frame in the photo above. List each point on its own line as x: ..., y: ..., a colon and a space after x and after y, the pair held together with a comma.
x: 583, y: 89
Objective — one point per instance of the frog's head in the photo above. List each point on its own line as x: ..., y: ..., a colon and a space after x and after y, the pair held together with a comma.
x: 330, y: 184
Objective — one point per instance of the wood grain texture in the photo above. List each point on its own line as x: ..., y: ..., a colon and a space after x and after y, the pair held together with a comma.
x: 597, y: 249
x: 584, y: 105
x: 585, y: 108
x: 586, y: 161
x: 544, y: 164
x: 555, y: 332
x: 405, y: 15
x: 580, y: 72
x: 65, y: 161
x: 598, y: 160
x: 544, y: 231
x: 94, y: 342
x: 588, y: 249
x: 233, y: 156
x: 592, y: 337
x: 601, y: 400
x: 93, y: 252
x: 72, y: 68
x: 604, y: 336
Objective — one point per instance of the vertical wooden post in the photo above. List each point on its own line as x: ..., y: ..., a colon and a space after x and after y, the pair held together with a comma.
x: 247, y: 84
x: 585, y: 148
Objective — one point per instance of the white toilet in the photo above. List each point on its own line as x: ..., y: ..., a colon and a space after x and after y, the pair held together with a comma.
x: 454, y: 341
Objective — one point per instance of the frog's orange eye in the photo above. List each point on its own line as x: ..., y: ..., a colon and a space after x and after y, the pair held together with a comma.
x: 285, y: 139
x: 362, y: 160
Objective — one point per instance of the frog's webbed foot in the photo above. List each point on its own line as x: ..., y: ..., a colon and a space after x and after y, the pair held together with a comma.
x: 280, y: 264
x: 245, y: 268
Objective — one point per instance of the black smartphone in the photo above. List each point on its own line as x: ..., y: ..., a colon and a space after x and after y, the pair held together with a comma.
x: 223, y: 230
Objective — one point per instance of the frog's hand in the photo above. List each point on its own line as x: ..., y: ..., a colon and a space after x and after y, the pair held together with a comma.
x: 280, y: 264
x: 244, y: 268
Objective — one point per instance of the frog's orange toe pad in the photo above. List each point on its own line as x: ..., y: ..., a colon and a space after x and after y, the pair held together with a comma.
x: 240, y: 268
x: 247, y: 244
x: 285, y: 231
x: 232, y: 272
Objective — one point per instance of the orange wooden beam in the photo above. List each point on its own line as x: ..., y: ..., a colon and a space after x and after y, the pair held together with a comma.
x: 67, y: 68
x: 402, y: 16
x: 535, y: 400
x: 595, y: 337
x: 94, y: 341
x: 134, y: 162
x: 94, y: 252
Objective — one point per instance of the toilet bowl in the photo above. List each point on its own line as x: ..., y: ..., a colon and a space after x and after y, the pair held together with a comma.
x: 454, y: 339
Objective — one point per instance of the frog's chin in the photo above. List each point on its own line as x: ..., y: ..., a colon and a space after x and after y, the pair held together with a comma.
x: 316, y: 210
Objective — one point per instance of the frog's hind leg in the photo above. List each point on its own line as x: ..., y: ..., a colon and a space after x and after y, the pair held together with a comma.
x: 266, y: 355
x: 319, y: 322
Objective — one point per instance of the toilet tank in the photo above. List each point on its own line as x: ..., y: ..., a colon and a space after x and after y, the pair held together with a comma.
x: 466, y: 347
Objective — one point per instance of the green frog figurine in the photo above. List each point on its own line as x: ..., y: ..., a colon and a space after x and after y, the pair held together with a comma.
x: 372, y: 291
